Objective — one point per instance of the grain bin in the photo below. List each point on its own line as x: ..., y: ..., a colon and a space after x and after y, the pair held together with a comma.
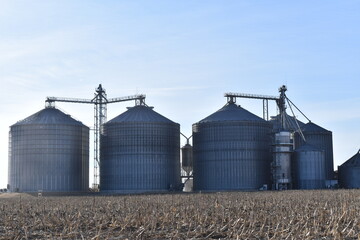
x: 49, y: 151
x: 309, y: 167
x: 231, y: 150
x: 140, y: 152
x: 349, y: 172
x: 322, y: 139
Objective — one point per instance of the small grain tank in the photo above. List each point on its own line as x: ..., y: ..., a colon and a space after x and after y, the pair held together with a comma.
x: 187, y: 158
x: 231, y: 150
x: 322, y: 139
x: 309, y: 167
x: 281, y: 164
x: 140, y: 152
x: 349, y: 172
x: 49, y: 151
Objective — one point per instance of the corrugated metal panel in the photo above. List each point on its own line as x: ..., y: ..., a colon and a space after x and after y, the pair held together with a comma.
x: 309, y: 167
x: 349, y: 172
x: 49, y: 151
x: 322, y: 139
x: 141, y: 155
x: 231, y: 151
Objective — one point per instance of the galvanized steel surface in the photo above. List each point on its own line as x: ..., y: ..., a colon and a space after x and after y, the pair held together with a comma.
x: 309, y: 167
x: 281, y: 164
x: 49, y: 115
x: 349, y: 172
x: 140, y: 152
x: 231, y: 112
x: 140, y: 114
x: 49, y: 151
x: 322, y: 139
x: 231, y: 150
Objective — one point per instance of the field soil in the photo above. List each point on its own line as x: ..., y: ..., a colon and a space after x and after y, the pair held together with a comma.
x: 9, y: 195
x: 327, y: 214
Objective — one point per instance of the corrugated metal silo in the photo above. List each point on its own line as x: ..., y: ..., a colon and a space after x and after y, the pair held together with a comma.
x: 322, y: 139
x: 349, y: 172
x: 231, y: 150
x: 140, y: 152
x: 309, y: 167
x: 49, y: 151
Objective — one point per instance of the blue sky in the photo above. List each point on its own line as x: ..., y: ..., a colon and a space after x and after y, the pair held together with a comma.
x: 184, y: 55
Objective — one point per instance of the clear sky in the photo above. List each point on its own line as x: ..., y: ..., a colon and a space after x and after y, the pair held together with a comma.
x: 184, y: 55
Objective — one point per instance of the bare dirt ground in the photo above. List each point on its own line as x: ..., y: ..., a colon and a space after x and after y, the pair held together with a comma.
x: 235, y: 215
x: 9, y: 195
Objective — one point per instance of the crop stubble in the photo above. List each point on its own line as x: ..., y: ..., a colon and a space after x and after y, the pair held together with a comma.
x: 233, y: 215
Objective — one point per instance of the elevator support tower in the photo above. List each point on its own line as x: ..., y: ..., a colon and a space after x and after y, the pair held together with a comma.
x: 280, y: 102
x: 100, y: 102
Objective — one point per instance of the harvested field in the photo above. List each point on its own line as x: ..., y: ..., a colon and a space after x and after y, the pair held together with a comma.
x: 234, y: 215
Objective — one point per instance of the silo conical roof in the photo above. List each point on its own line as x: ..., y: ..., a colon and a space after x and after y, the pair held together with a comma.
x: 232, y: 112
x: 49, y: 116
x: 140, y: 113
x: 354, y: 161
x: 312, y: 127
